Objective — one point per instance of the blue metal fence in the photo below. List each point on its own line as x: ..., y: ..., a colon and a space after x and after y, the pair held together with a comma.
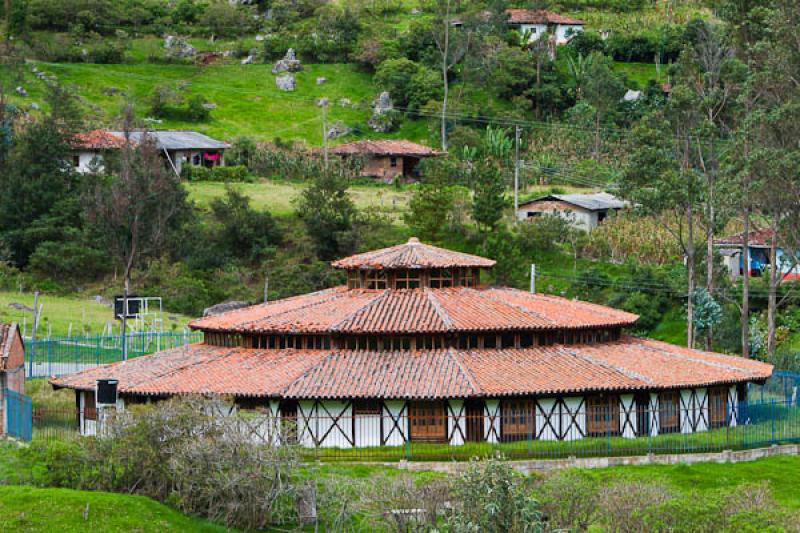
x: 19, y: 415
x: 57, y: 356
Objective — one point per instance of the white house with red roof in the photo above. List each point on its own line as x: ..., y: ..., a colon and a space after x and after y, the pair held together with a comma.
x: 416, y: 348
x: 537, y: 22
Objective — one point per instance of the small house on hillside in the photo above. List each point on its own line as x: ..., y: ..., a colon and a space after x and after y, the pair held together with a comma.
x: 583, y: 211
x: 535, y: 22
x: 759, y: 245
x: 179, y: 148
x: 12, y: 369
x: 387, y: 159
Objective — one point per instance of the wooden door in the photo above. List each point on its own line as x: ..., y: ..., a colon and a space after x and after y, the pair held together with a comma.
x: 289, y: 429
x: 717, y: 406
x: 427, y: 421
x: 517, y: 419
x: 474, y: 412
x: 669, y: 412
x: 642, y: 414
x: 602, y: 415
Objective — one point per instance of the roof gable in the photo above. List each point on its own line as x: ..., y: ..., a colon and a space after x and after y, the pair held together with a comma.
x: 413, y: 254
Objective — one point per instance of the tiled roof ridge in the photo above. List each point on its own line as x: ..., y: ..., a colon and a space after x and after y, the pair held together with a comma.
x: 349, y: 316
x: 648, y: 344
x: 331, y: 294
x: 521, y: 308
x: 440, y: 311
x: 305, y: 374
x: 604, y: 364
x: 601, y: 309
x: 454, y: 355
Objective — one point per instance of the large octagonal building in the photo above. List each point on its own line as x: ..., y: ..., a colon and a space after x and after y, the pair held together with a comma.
x: 415, y: 348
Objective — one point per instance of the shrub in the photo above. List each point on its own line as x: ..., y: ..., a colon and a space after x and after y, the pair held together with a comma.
x: 196, y: 109
x: 489, y: 496
x: 236, y: 173
x: 409, y: 83
x: 568, y: 500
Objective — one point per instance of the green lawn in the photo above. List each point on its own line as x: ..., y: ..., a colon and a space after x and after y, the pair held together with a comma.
x: 29, y: 509
x: 247, y: 99
x: 780, y: 472
x: 84, y: 314
x: 641, y: 73
x: 278, y: 196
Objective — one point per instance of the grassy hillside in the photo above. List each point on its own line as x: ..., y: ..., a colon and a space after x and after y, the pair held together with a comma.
x: 278, y: 196
x: 28, y: 509
x: 85, y: 314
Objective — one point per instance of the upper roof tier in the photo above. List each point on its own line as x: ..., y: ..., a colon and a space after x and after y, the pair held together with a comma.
x: 412, y: 254
x: 415, y: 311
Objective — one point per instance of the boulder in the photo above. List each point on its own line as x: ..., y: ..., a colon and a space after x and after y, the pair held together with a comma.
x: 632, y: 96
x: 345, y: 102
x: 383, y: 119
x: 322, y: 102
x: 285, y: 82
x: 259, y: 38
x: 21, y: 91
x: 247, y: 60
x: 321, y: 80
x: 209, y: 106
x: 289, y: 63
x: 177, y: 47
x: 338, y: 129
x: 223, y: 307
x: 34, y: 106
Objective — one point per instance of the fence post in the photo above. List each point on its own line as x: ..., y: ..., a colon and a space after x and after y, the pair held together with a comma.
x: 773, y: 421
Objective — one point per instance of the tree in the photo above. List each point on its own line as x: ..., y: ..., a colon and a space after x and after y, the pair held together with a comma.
x: 431, y: 209
x: 660, y: 178
x: 603, y: 90
x: 137, y: 209
x: 242, y: 231
x: 452, y: 48
x: 38, y: 177
x: 488, y: 200
x: 329, y: 214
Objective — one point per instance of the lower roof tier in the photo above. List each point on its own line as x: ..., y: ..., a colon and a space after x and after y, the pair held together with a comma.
x: 628, y: 364
x: 426, y: 310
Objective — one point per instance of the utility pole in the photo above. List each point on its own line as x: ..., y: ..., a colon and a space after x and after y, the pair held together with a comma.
x: 533, y: 277
x: 516, y: 173
x: 124, y: 322
x: 266, y: 288
x: 323, y: 103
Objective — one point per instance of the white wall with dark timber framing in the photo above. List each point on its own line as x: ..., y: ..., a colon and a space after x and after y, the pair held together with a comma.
x: 347, y: 424
x: 456, y: 422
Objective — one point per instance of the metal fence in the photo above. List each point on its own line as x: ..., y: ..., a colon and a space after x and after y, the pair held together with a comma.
x: 57, y: 356
x: 589, y: 432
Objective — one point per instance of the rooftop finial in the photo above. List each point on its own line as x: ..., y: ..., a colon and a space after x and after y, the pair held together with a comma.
x: 413, y: 240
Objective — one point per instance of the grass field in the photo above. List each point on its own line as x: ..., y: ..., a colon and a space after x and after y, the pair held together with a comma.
x: 29, y: 509
x: 278, y: 196
x: 247, y: 99
x: 59, y: 312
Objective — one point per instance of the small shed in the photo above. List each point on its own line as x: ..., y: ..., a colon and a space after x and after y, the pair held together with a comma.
x: 583, y: 211
x: 535, y: 22
x: 387, y: 159
x: 759, y: 247
x: 12, y: 368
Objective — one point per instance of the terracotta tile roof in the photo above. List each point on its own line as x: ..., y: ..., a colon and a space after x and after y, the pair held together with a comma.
x: 340, y: 310
x: 762, y: 237
x: 412, y: 254
x: 540, y: 16
x: 628, y: 364
x: 385, y: 147
x: 98, y: 140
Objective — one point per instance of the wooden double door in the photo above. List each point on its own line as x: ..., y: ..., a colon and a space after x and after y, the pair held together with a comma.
x: 427, y: 421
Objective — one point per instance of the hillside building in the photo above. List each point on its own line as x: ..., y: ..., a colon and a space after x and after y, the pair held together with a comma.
x: 415, y: 347
x: 178, y: 147
x: 759, y: 245
x: 387, y: 160
x: 582, y: 211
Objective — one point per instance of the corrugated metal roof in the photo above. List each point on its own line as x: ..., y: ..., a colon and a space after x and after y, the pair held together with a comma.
x: 177, y: 139
x: 592, y: 201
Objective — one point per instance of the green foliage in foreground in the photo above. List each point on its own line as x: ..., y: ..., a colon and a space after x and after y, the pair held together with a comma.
x: 42, y: 509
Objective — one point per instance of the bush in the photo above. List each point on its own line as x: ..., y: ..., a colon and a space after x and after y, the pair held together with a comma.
x: 236, y: 173
x: 490, y: 496
x: 409, y: 83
